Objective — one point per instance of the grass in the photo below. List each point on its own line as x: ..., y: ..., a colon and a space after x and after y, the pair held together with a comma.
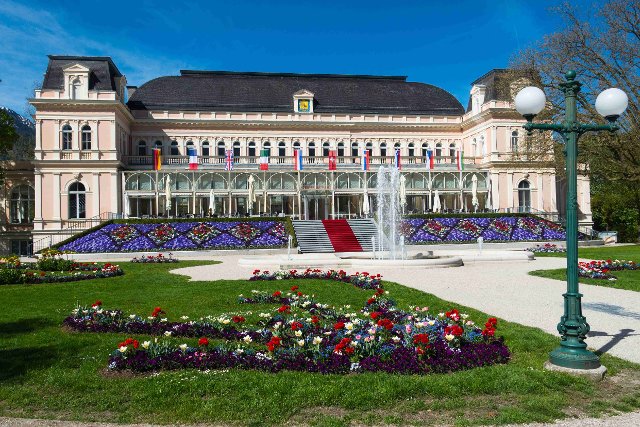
x: 627, y: 279
x: 46, y: 372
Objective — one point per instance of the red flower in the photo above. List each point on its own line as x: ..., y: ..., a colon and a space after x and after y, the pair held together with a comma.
x: 296, y: 325
x: 136, y: 344
x: 300, y: 294
x: 386, y: 323
x: 421, y: 339
x: 454, y: 330
x: 98, y: 303
x: 256, y: 272
x: 492, y: 322
x: 371, y: 300
x: 488, y: 332
x: 338, y: 326
x: 294, y: 288
x: 284, y: 309
x: 273, y: 343
x: 375, y: 315
x: 315, y: 320
x: 156, y: 312
x: 277, y: 294
x: 344, y: 342
x: 453, y: 314
x: 349, y: 350
x: 203, y: 342
x: 238, y: 319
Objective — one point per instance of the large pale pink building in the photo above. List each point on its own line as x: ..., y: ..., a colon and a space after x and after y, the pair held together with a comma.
x: 95, y: 136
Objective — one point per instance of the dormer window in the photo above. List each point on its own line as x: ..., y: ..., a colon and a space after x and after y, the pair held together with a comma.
x: 303, y: 101
x: 76, y: 79
x: 477, y: 97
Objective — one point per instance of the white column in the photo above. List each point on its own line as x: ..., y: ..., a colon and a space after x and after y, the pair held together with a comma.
x: 58, y: 140
x: 539, y: 185
x: 510, y: 190
x: 493, y: 142
x: 57, y: 196
x: 38, y: 135
x: 38, y: 202
x: 115, y: 191
x: 96, y: 193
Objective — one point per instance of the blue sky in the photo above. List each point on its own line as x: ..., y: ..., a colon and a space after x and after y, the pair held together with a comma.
x: 445, y: 43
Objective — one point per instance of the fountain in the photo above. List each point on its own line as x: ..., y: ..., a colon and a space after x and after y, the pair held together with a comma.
x: 389, y: 213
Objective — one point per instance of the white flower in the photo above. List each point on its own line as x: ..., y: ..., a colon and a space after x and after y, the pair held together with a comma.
x: 99, y: 311
x: 123, y: 349
x: 167, y: 334
x: 470, y: 322
x: 349, y: 326
x: 132, y: 316
x: 464, y: 315
x: 432, y: 322
x: 183, y: 347
x: 347, y: 307
x: 301, y: 343
x: 449, y: 337
x: 226, y: 321
x: 150, y: 317
x: 440, y: 314
x: 396, y: 339
x: 164, y: 319
x: 247, y: 339
x: 185, y: 317
x: 298, y: 333
x: 317, y: 340
x: 146, y: 344
x: 85, y: 311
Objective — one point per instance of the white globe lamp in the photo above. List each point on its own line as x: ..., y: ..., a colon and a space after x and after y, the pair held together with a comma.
x: 611, y: 103
x: 530, y: 101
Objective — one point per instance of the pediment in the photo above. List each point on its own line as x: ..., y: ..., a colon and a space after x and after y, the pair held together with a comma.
x: 303, y: 93
x: 76, y: 68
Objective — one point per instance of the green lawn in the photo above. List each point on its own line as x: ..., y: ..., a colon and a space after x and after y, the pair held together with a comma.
x: 50, y: 373
x: 629, y: 280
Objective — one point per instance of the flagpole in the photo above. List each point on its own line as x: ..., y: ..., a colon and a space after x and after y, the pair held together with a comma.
x: 157, y: 203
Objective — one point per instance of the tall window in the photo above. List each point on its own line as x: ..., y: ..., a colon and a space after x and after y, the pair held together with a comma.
x: 452, y: 152
x: 296, y: 146
x: 175, y: 150
x: 341, y: 149
x: 142, y: 148
x: 425, y: 148
x: 86, y: 137
x: 67, y: 137
x: 75, y: 88
x: 77, y: 201
x: 383, y: 149
x: 282, y: 151
x: 369, y: 148
x: 190, y: 144
x: 252, y: 149
x: 514, y: 141
x: 524, y: 196
x: 438, y: 152
x: 236, y: 149
x: 411, y: 153
x: 158, y: 144
x: 205, y: 149
x: 267, y: 146
x: 22, y: 204
x: 312, y: 149
x: 221, y: 149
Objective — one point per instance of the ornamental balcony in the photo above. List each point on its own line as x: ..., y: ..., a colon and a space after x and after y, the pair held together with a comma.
x: 316, y: 163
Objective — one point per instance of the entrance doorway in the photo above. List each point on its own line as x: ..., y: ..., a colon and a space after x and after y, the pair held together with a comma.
x: 316, y: 207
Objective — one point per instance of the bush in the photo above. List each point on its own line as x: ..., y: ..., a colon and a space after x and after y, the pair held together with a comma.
x: 51, y: 260
x: 10, y: 276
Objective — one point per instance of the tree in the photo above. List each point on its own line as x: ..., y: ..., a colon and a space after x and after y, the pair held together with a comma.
x: 604, y: 49
x: 8, y: 134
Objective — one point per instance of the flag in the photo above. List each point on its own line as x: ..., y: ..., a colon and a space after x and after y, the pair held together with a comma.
x: 157, y: 159
x: 297, y: 160
x: 460, y: 159
x: 264, y: 160
x: 228, y: 164
x: 397, y: 159
x: 365, y: 160
x: 193, y: 158
x: 429, y: 159
x: 332, y: 160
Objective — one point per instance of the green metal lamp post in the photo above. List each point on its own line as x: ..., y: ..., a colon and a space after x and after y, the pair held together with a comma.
x: 611, y: 103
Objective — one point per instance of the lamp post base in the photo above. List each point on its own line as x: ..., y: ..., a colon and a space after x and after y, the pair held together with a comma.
x: 596, y: 374
x: 574, y: 356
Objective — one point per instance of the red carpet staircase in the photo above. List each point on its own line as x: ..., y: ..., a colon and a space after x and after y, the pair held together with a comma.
x: 341, y: 236
x: 329, y: 236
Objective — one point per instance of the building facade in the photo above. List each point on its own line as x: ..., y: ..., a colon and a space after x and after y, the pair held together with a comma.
x: 95, y: 138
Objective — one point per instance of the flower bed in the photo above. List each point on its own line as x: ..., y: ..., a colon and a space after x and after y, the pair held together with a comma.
x: 181, y: 235
x: 599, y: 269
x: 547, y: 248
x: 302, y: 334
x: 155, y: 259
x: 468, y: 229
x: 29, y: 273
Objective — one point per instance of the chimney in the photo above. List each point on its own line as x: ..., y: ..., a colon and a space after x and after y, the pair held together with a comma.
x: 130, y: 91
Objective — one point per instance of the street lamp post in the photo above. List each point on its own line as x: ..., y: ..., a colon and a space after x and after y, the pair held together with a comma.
x: 611, y: 103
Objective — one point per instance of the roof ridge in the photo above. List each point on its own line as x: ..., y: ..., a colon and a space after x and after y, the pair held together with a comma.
x: 269, y: 74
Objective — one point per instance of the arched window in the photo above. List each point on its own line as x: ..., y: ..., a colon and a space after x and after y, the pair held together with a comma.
x: 175, y: 149
x: 86, y: 137
x: 205, y: 149
x: 158, y: 144
x: 340, y: 149
x: 74, y: 88
x: 514, y: 141
x: 252, y: 151
x: 438, y: 152
x: 22, y: 204
x: 425, y: 149
x: 296, y: 145
x: 77, y: 201
x: 452, y: 153
x: 267, y: 146
x: 236, y: 150
x: 282, y: 151
x: 524, y: 196
x: 190, y: 144
x: 142, y: 148
x: 325, y: 149
x: 474, y: 145
x: 483, y: 147
x: 411, y: 153
x: 312, y: 149
x: 220, y: 150
x: 369, y: 148
x: 67, y: 137
x: 354, y: 152
x: 383, y: 150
